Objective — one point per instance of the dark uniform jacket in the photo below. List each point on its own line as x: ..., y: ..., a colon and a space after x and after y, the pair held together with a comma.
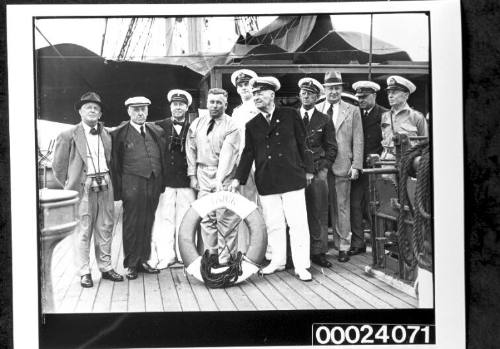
x: 119, y: 138
x: 372, y: 131
x: 175, y: 156
x: 321, y: 144
x: 278, y: 149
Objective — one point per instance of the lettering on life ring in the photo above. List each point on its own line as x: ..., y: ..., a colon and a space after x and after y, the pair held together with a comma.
x: 245, y: 209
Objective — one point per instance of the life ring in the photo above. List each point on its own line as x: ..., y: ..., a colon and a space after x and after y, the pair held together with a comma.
x: 245, y: 209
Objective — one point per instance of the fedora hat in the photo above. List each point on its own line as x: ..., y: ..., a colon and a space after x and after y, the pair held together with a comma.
x: 89, y: 97
x: 333, y: 78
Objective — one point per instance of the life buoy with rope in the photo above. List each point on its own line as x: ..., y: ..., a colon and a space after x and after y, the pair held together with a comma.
x: 244, y: 265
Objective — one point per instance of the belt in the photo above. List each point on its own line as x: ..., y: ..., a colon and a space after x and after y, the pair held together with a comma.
x: 98, y: 174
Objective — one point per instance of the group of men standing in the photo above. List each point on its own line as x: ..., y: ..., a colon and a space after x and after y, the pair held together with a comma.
x: 300, y: 166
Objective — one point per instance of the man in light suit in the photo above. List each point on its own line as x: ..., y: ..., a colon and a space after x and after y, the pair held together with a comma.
x: 349, y: 134
x: 82, y: 163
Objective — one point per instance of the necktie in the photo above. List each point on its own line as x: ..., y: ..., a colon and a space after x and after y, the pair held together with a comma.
x: 180, y: 123
x: 94, y: 131
x: 329, y: 112
x: 210, y: 126
x: 143, y: 134
x: 268, y: 118
x: 365, y: 113
x: 306, y: 119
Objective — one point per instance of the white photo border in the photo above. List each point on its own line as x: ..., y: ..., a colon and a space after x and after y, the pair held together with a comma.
x: 447, y: 127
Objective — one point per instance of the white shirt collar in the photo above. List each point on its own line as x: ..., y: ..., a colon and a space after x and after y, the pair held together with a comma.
x: 87, y: 128
x: 309, y: 112
x: 138, y: 127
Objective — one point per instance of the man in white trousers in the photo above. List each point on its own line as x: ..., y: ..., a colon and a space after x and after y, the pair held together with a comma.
x: 178, y: 195
x: 275, y: 139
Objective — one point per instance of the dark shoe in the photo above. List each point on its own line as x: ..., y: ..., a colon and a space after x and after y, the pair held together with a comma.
x: 321, y: 260
x: 147, y: 269
x: 86, y: 281
x: 356, y: 250
x: 112, y: 275
x: 343, y: 257
x: 132, y: 273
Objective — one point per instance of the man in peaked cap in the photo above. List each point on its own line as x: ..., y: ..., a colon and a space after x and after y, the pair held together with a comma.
x: 212, y: 149
x: 82, y: 162
x: 401, y: 118
x: 243, y: 113
x: 138, y: 177
x: 178, y: 195
x: 275, y: 140
x: 349, y: 161
x: 321, y: 147
x: 371, y: 112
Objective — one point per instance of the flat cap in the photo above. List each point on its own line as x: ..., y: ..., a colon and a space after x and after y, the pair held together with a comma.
x: 311, y: 85
x: 88, y: 97
x: 180, y: 96
x: 139, y: 100
x: 242, y: 75
x: 364, y: 88
x: 262, y: 83
x: 396, y: 82
x: 333, y: 78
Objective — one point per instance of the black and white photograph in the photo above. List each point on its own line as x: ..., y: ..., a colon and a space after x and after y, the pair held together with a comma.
x: 224, y: 175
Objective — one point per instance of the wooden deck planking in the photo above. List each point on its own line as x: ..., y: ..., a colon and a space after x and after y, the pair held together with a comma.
x: 359, y: 271
x: 345, y: 271
x: 270, y: 293
x: 221, y: 299
x: 310, y: 290
x: 356, y: 289
x: 168, y: 291
x: 343, y: 297
x: 206, y: 303
x: 289, y: 293
x: 240, y: 299
x: 136, y: 301
x: 152, y: 294
x: 343, y: 286
x: 186, y: 296
x: 256, y: 296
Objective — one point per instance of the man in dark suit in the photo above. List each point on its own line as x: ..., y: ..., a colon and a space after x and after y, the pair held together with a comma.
x: 275, y: 139
x: 138, y: 178
x: 321, y: 147
x: 82, y: 162
x: 178, y: 196
x: 371, y: 112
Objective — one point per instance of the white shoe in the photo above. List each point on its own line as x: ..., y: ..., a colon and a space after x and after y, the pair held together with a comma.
x: 303, y: 274
x: 272, y: 268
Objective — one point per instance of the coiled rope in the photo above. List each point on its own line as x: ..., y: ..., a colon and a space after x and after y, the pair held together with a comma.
x: 416, y: 245
x: 223, y: 279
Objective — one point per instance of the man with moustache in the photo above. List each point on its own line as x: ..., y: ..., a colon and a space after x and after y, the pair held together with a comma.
x: 371, y: 112
x: 212, y: 149
x: 178, y: 195
x: 349, y: 161
x: 138, y: 177
x: 322, y: 148
x: 81, y: 162
x: 275, y: 140
x: 401, y: 118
